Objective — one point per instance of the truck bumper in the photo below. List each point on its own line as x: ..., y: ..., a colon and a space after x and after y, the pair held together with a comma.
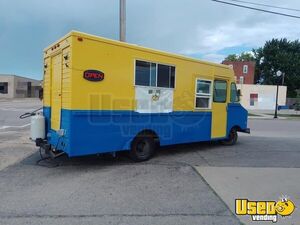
x: 43, y: 144
x: 246, y: 130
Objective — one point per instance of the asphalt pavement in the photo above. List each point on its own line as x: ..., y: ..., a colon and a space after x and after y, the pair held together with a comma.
x: 168, y: 189
x: 14, y: 132
x: 10, y: 110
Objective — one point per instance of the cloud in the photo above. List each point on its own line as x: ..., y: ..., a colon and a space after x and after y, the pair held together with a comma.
x: 191, y: 27
x: 230, y: 35
x: 217, y: 58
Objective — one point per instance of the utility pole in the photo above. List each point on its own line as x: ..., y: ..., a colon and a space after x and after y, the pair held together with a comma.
x: 278, y: 74
x: 276, y: 104
x: 123, y: 20
x: 283, y: 76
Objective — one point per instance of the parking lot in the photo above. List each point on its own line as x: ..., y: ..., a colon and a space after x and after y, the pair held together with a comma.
x: 185, y: 184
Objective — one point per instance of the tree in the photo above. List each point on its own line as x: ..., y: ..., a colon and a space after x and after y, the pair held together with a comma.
x: 244, y: 56
x: 280, y: 55
x: 297, y: 104
x: 232, y: 58
x: 247, y: 56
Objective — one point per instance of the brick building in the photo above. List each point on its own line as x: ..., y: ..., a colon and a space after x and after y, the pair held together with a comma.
x: 244, y: 71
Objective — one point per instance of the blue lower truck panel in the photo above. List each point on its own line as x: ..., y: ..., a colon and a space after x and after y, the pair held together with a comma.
x: 91, y: 132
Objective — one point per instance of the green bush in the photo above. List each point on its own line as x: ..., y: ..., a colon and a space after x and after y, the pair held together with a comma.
x: 297, y: 104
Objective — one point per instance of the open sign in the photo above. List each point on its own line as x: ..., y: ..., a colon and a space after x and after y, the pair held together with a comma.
x: 93, y: 75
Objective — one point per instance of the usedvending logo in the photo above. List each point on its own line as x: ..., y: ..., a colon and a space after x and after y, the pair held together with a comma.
x: 264, y: 210
x: 93, y: 75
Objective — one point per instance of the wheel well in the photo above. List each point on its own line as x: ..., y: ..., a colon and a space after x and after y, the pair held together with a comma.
x: 150, y: 133
x: 236, y: 127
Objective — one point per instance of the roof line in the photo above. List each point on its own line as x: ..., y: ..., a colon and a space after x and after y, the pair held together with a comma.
x: 14, y: 75
x: 134, y: 46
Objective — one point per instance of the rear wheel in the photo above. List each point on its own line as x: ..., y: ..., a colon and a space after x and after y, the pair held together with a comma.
x: 232, y: 138
x: 142, y: 148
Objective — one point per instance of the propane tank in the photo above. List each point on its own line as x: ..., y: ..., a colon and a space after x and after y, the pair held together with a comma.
x: 37, y: 127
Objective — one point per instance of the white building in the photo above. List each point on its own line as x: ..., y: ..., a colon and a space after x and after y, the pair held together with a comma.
x: 261, y: 96
x: 12, y: 86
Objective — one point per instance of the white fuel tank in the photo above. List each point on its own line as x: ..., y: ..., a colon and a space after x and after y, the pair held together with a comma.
x: 37, y: 128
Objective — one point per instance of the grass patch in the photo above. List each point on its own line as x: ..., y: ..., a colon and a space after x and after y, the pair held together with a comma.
x: 251, y: 114
x: 288, y: 115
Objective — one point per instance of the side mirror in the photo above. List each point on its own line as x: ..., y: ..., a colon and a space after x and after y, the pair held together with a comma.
x: 239, y: 94
x: 41, y: 93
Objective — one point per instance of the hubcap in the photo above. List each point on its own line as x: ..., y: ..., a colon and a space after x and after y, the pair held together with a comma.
x: 142, y: 147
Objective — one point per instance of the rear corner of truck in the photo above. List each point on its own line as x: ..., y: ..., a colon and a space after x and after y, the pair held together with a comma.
x: 57, y: 94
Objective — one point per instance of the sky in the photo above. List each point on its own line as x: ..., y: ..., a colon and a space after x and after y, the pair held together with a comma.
x: 198, y: 28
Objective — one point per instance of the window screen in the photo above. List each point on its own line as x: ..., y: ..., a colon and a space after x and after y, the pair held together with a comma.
x: 220, y: 91
x: 202, y: 102
x: 253, y: 99
x: 153, y: 75
x: 241, y: 80
x: 172, y: 78
x: 203, y: 94
x: 142, y: 73
x: 163, y: 76
x: 245, y: 69
x: 203, y: 87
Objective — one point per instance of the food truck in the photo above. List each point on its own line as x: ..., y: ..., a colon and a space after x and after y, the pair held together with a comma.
x: 105, y: 96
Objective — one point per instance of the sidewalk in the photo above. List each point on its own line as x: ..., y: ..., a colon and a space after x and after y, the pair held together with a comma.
x: 269, y: 114
x: 232, y: 183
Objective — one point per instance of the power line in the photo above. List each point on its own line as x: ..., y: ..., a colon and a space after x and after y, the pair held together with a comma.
x: 271, y: 6
x: 257, y: 9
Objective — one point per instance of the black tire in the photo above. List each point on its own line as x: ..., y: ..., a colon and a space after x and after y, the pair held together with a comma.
x: 232, y: 139
x: 142, y: 148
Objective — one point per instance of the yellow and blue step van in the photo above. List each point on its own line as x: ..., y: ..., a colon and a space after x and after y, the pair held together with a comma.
x: 104, y: 96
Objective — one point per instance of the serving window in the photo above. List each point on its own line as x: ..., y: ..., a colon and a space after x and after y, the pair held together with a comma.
x: 154, y: 74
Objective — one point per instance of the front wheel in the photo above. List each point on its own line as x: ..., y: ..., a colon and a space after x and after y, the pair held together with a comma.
x: 142, y: 148
x: 232, y: 138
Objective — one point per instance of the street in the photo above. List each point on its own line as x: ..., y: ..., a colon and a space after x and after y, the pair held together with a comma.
x: 14, y: 132
x: 150, y: 112
x: 183, y: 184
